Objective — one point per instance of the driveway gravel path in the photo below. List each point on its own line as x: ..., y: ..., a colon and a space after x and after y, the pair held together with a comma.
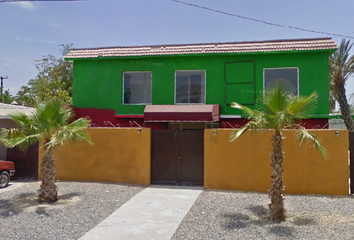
x: 81, y: 206
x: 215, y: 214
x: 240, y: 215
x: 12, y: 185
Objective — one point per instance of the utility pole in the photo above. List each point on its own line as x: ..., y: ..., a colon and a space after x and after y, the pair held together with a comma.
x: 2, y: 87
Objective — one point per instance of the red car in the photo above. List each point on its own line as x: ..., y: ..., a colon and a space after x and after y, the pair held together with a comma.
x: 7, y: 169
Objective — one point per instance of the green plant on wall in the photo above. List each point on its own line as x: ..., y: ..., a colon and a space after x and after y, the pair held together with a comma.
x: 279, y: 110
x: 51, y: 126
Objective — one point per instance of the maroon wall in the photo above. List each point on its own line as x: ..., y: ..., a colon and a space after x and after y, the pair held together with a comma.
x: 232, y: 122
x: 311, y: 123
x: 156, y: 125
x: 128, y: 121
x: 108, y: 118
x: 99, y: 117
x: 315, y: 123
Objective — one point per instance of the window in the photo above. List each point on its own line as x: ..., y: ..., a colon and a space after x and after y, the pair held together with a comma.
x: 137, y: 87
x: 291, y: 75
x: 190, y: 87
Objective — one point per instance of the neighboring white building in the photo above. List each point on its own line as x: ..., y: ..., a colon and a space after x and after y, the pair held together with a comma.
x: 6, y: 122
x: 336, y: 124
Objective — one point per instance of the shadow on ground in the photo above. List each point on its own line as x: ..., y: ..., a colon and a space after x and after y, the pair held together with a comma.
x: 28, y: 202
x: 240, y: 220
x: 259, y: 217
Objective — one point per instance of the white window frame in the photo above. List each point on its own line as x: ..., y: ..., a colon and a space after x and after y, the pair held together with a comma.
x: 123, y: 88
x: 297, y: 79
x: 175, y: 90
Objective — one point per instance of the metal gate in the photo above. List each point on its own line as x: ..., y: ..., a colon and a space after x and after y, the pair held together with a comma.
x: 26, y: 163
x: 177, y: 157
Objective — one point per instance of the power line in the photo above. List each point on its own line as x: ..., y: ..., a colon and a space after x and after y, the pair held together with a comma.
x: 345, y: 34
x: 260, y: 21
x: 9, y: 1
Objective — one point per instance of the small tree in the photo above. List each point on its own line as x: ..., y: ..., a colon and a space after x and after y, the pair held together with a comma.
x: 50, y: 126
x: 54, y: 79
x: 277, y: 111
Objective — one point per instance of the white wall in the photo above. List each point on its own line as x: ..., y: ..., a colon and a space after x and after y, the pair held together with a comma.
x: 336, y: 124
x: 5, y: 123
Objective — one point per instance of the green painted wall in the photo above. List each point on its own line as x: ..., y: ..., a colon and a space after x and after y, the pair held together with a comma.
x: 98, y: 82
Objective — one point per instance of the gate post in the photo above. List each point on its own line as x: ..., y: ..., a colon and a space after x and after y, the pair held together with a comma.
x: 351, y: 164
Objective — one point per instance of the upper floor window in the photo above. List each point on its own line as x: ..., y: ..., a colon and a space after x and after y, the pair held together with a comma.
x: 137, y: 87
x: 190, y: 87
x: 290, y: 75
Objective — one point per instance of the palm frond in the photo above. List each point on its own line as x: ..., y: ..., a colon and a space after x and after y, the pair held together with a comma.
x: 51, y: 115
x: 23, y: 122
x: 79, y: 124
x: 254, y: 125
x: 237, y: 133
x: 251, y: 113
x: 279, y: 110
x: 72, y: 132
x: 15, y: 137
x: 302, y: 134
x: 301, y: 106
x: 274, y: 100
x: 50, y: 122
x: 341, y: 66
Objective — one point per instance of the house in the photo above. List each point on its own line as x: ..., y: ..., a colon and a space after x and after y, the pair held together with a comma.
x: 26, y: 162
x: 180, y: 90
x: 163, y: 86
x: 6, y: 122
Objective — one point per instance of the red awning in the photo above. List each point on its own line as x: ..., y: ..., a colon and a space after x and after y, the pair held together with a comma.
x: 182, y: 113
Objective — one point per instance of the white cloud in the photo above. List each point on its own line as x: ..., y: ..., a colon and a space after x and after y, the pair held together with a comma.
x: 27, y: 5
x: 17, y: 66
x: 55, y: 24
x: 11, y: 90
x: 7, y: 64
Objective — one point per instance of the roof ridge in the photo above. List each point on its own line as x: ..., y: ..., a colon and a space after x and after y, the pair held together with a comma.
x: 206, y: 48
x: 210, y: 43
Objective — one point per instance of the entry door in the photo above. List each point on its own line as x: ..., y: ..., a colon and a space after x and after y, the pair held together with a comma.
x: 177, y: 157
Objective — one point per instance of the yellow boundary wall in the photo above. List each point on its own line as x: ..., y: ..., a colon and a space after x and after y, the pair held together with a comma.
x: 245, y: 163
x: 123, y: 155
x: 117, y: 155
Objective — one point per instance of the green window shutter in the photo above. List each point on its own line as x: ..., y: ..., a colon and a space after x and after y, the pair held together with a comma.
x: 239, y: 72
x: 240, y: 82
x: 240, y: 93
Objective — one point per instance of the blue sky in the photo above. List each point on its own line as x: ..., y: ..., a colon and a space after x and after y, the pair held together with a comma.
x: 30, y: 30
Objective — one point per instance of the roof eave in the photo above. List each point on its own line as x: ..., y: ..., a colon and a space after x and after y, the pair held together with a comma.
x: 200, y: 54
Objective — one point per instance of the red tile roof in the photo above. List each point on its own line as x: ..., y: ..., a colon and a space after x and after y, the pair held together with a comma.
x: 208, y: 48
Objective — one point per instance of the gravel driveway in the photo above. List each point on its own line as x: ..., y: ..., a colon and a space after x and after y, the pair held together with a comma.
x: 81, y: 206
x: 240, y: 215
x: 215, y: 214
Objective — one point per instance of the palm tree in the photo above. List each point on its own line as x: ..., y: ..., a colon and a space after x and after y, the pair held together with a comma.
x: 278, y: 111
x: 50, y: 126
x: 341, y: 67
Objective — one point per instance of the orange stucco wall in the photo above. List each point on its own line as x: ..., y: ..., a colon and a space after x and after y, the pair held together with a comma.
x: 245, y: 164
x: 117, y: 155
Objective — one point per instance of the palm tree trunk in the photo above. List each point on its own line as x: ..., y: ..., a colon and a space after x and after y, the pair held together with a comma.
x: 48, y: 191
x: 332, y: 104
x: 276, y: 206
x: 344, y: 108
